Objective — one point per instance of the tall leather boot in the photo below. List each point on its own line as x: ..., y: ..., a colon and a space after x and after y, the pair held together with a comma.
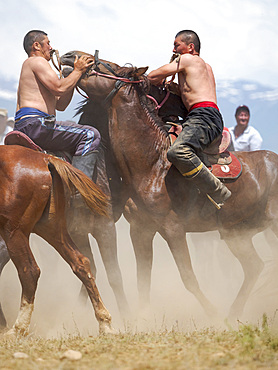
x: 215, y: 190
x: 86, y: 164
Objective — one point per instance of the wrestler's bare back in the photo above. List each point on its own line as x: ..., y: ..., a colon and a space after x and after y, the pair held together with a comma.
x: 31, y: 91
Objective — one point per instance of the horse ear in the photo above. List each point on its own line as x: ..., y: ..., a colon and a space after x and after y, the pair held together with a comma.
x: 140, y: 71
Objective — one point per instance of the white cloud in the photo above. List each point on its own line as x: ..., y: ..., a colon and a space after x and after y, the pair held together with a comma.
x: 239, y: 38
x: 249, y: 87
x: 266, y: 95
x: 8, y: 95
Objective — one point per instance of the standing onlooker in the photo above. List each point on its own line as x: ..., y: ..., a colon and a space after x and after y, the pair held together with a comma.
x: 10, y: 122
x: 244, y: 137
x: 4, y: 126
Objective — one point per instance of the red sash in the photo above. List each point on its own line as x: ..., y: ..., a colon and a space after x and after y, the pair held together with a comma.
x: 203, y: 104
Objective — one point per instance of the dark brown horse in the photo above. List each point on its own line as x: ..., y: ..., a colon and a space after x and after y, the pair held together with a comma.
x: 34, y: 188
x: 161, y: 200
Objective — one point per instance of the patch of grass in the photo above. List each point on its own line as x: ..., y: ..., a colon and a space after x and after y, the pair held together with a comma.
x: 250, y: 346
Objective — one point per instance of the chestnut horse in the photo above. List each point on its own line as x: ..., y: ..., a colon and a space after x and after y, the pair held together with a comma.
x: 34, y: 193
x: 161, y: 200
x: 109, y: 181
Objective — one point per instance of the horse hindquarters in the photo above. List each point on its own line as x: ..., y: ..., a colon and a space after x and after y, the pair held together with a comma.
x: 52, y: 227
x: 25, y: 188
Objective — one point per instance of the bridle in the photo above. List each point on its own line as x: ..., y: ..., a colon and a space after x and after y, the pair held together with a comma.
x: 95, y: 71
x: 120, y: 81
x: 59, y: 67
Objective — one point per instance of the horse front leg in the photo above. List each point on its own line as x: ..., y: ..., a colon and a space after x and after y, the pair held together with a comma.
x: 175, y: 236
x: 271, y: 236
x: 105, y: 234
x: 4, y: 259
x: 142, y: 235
x: 252, y: 265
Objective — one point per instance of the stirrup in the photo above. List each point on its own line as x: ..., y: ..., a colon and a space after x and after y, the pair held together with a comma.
x: 217, y: 205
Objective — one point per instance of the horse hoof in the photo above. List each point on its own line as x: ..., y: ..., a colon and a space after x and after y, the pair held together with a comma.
x: 213, y: 313
x: 15, y: 333
x: 106, y: 328
x: 10, y: 334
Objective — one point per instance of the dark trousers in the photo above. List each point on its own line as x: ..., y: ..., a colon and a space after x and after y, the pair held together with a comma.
x: 200, y: 128
x: 63, y: 136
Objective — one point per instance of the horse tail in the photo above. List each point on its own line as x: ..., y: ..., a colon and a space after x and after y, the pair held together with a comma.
x: 75, y: 179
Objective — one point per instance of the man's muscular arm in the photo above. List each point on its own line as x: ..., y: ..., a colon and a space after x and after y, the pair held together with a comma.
x: 157, y: 76
x: 61, y: 88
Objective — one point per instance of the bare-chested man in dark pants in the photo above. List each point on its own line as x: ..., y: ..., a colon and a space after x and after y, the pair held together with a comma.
x: 40, y: 93
x: 204, y: 122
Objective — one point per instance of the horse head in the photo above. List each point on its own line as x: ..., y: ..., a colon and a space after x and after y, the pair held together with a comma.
x: 91, y: 83
x: 104, y: 79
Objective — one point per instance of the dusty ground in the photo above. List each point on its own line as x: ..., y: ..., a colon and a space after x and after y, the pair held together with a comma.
x: 248, y: 347
x: 58, y: 314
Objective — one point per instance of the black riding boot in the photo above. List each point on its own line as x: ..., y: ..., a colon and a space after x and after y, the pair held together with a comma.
x: 86, y: 164
x: 215, y: 190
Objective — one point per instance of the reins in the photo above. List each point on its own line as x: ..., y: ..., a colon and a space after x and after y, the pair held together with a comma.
x: 123, y: 79
x: 59, y: 67
x: 158, y: 106
x: 95, y: 71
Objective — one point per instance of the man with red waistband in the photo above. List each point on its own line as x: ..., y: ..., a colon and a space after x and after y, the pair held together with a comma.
x: 204, y: 121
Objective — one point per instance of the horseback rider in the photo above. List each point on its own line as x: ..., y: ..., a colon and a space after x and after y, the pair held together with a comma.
x: 204, y: 122
x: 41, y: 93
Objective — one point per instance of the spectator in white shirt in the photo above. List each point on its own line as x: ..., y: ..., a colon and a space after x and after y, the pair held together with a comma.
x: 4, y: 126
x: 244, y: 137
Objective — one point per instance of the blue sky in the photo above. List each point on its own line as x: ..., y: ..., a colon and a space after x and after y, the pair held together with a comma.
x: 239, y: 37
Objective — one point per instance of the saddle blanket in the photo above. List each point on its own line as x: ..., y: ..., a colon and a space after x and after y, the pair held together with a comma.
x: 227, y: 171
x: 231, y: 170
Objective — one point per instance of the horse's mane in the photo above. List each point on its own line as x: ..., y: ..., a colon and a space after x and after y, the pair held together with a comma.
x: 145, y: 89
x: 152, y: 114
x: 94, y: 113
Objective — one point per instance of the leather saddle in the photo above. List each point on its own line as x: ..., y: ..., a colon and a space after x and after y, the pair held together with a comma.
x: 19, y: 138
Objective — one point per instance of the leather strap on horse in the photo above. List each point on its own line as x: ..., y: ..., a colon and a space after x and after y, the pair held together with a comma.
x: 59, y: 67
x: 113, y: 92
x: 106, y: 65
x: 119, y: 83
x: 158, y: 106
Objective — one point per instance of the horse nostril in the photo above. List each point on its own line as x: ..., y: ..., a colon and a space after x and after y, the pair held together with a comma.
x: 68, y: 58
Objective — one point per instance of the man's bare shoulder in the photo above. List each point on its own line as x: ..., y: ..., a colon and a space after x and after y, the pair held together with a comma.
x: 36, y: 63
x: 188, y: 60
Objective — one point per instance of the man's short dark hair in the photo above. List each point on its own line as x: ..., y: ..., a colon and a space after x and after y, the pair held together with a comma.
x: 242, y: 108
x: 188, y: 37
x: 31, y: 37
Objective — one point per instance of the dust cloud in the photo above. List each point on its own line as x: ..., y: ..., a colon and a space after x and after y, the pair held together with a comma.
x: 58, y: 311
